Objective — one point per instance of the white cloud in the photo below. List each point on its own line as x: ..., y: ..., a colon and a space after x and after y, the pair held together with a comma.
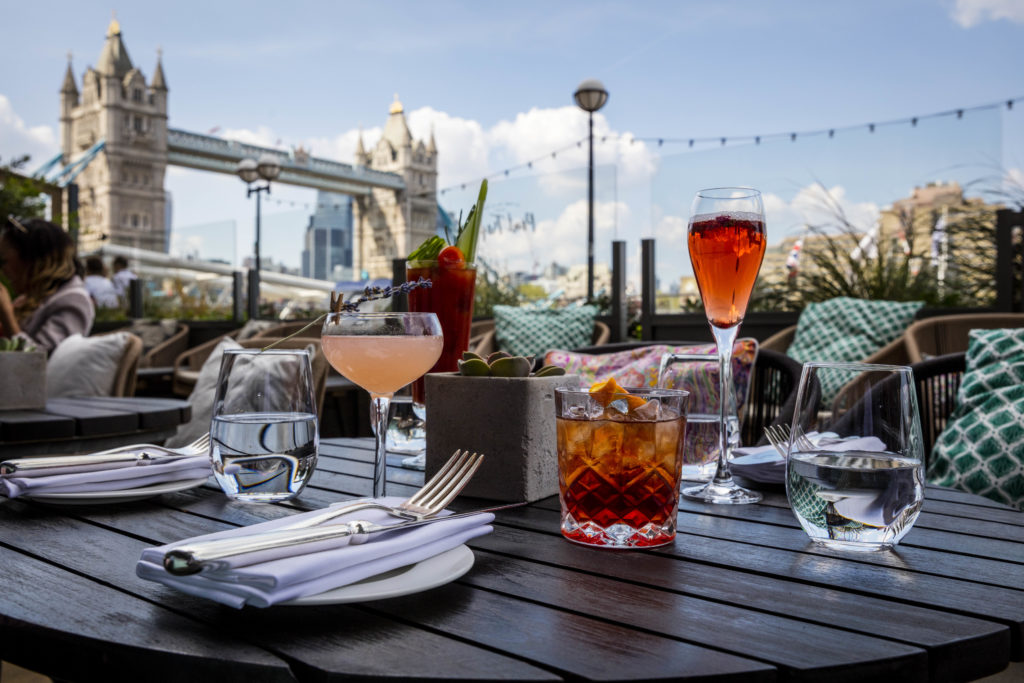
x: 970, y: 13
x: 16, y: 139
x: 562, y: 239
x: 467, y: 151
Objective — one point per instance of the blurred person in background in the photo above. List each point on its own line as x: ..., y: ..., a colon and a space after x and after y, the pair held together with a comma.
x: 123, y: 276
x: 47, y: 301
x: 101, y: 289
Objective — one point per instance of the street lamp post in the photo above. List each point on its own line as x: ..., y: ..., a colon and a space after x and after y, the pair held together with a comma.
x: 590, y: 96
x: 251, y: 170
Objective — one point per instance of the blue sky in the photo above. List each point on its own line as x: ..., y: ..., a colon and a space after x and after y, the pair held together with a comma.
x: 495, y: 82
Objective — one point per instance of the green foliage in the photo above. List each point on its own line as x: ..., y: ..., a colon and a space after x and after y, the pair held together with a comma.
x: 19, y: 195
x: 901, y: 271
x: 490, y: 292
x: 16, y: 344
x: 531, y: 292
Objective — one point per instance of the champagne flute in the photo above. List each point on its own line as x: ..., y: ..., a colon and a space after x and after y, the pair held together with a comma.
x: 726, y: 238
x: 381, y: 352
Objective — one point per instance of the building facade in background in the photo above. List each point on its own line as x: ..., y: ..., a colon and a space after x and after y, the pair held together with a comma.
x: 121, y: 192
x: 389, y: 224
x: 328, y: 242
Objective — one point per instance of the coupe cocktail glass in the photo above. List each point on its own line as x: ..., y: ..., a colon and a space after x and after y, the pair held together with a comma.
x: 726, y: 238
x: 381, y: 352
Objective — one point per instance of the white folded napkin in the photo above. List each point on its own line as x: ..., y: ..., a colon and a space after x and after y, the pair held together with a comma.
x: 764, y: 464
x: 269, y: 577
x: 115, y: 476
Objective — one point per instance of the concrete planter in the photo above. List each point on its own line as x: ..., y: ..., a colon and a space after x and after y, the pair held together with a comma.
x: 510, y: 420
x: 22, y: 380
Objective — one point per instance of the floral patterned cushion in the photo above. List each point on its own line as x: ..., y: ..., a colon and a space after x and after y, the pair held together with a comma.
x: 639, y: 368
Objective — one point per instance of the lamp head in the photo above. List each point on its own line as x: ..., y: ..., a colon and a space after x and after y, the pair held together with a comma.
x: 247, y: 170
x: 268, y: 167
x: 590, y: 95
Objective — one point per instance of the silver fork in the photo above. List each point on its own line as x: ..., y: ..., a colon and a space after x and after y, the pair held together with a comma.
x: 442, y: 489
x: 780, y: 436
x: 142, y: 453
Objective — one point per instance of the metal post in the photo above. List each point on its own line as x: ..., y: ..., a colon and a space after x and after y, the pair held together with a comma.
x: 590, y: 215
x: 135, y: 299
x: 619, y: 304
x: 1008, y: 262
x: 237, y: 297
x: 399, y: 302
x: 254, y: 294
x: 648, y: 303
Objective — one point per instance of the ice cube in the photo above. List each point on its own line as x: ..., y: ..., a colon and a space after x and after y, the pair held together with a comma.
x: 648, y: 411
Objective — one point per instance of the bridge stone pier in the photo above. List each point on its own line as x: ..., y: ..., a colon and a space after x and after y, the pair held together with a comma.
x: 116, y: 145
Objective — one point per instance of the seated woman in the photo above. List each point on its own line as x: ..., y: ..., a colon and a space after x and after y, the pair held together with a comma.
x: 50, y: 300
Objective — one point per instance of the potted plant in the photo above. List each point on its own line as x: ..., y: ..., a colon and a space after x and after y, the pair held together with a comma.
x: 495, y: 406
x: 23, y: 369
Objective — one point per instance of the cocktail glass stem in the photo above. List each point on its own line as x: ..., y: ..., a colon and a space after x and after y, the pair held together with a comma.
x: 380, y: 405
x: 725, y: 339
x: 722, y: 488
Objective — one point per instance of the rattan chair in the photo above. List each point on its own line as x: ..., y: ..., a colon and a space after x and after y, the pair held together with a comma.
x: 893, y: 353
x: 946, y: 334
x: 937, y: 381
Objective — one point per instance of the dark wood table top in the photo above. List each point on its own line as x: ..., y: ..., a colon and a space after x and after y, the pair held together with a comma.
x: 83, y: 425
x: 740, y: 596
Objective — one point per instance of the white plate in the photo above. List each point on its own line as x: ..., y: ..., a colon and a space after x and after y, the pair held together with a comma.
x: 430, y: 573
x: 766, y: 468
x: 125, y: 496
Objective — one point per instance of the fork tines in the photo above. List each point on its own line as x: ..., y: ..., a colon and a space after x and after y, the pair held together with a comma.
x: 444, y: 486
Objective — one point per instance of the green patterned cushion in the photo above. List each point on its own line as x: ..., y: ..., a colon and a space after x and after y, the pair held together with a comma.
x: 846, y: 330
x: 981, y: 450
x: 532, y: 331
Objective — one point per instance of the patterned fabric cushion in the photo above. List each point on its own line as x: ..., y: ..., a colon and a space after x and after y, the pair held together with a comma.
x: 848, y: 330
x: 639, y: 368
x: 981, y: 450
x: 532, y: 331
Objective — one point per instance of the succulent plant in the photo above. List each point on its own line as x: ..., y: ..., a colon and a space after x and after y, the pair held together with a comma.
x: 502, y: 364
x: 15, y: 344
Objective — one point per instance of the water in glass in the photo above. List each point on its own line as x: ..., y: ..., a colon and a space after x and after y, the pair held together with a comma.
x: 855, y: 499
x: 264, y: 456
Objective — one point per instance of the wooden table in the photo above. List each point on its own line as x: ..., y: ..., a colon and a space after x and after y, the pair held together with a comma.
x: 83, y: 425
x: 740, y: 596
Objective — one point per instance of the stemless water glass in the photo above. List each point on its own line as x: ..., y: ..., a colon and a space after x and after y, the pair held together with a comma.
x: 855, y: 472
x: 726, y: 239
x: 264, y: 430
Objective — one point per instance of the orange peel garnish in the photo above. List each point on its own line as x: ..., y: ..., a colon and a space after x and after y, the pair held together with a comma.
x: 607, y: 391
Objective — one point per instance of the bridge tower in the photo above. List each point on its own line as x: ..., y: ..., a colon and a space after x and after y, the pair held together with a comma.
x: 388, y: 224
x: 121, y: 193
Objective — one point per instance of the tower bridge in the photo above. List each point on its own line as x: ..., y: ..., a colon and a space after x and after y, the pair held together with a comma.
x: 116, y: 145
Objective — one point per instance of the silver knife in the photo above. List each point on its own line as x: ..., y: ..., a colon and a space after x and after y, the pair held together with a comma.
x: 207, y: 555
x: 142, y: 457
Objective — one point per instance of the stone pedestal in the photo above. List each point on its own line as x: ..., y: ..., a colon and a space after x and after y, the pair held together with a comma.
x: 22, y: 380
x: 509, y: 419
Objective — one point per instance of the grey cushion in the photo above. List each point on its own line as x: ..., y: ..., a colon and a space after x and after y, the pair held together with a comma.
x: 85, y: 366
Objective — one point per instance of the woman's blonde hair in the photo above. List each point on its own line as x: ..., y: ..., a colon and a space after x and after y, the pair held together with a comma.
x: 49, y: 257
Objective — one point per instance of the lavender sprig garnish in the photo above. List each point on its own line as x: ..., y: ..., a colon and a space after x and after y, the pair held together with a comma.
x: 369, y: 294
x: 375, y: 293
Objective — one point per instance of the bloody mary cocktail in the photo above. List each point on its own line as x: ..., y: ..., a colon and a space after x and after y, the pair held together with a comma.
x: 450, y: 297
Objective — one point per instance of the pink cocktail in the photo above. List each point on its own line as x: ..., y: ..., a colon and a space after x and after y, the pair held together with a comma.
x: 381, y: 352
